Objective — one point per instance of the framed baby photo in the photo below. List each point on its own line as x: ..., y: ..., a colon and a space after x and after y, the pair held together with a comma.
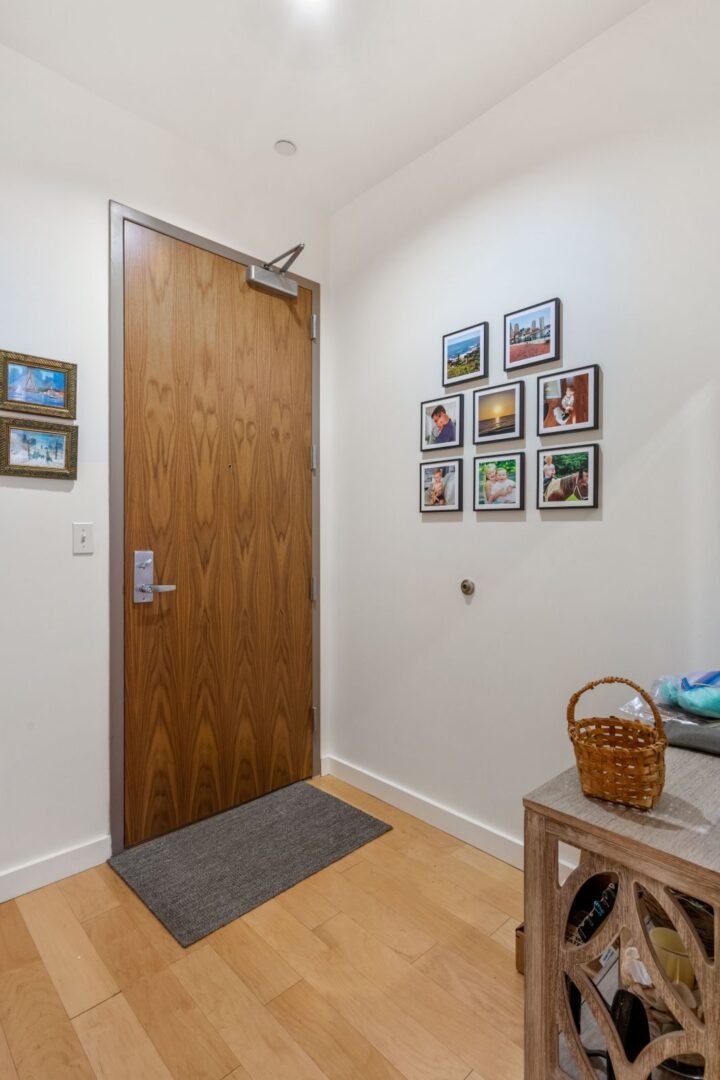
x: 36, y: 448
x: 568, y: 400
x: 499, y: 412
x: 568, y: 477
x: 32, y: 385
x: 465, y: 354
x: 532, y: 335
x: 441, y: 485
x: 441, y: 423
x: 500, y: 482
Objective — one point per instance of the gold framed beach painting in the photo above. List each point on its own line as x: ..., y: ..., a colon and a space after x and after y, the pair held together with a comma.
x: 38, y: 449
x: 32, y: 385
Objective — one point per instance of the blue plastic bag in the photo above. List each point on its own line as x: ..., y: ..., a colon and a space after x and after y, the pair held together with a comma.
x: 697, y: 692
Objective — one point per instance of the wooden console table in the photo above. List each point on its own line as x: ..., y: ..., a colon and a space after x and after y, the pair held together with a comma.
x: 676, y: 846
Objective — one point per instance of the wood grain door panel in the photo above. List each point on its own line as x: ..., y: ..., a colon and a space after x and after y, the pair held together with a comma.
x: 218, y: 387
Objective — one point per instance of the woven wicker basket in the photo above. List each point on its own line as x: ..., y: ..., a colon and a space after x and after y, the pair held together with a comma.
x: 622, y: 761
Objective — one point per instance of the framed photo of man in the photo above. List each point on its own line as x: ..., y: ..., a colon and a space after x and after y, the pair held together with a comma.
x: 441, y: 423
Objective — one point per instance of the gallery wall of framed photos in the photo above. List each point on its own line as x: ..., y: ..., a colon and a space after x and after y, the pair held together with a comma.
x: 567, y: 403
x: 40, y: 449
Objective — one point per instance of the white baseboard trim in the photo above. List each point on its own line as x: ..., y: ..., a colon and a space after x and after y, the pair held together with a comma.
x: 33, y: 875
x: 493, y: 841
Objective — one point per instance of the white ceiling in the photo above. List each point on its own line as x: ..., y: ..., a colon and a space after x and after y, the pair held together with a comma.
x: 362, y: 86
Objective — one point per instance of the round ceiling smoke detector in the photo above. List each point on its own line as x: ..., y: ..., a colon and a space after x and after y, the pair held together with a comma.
x: 285, y: 147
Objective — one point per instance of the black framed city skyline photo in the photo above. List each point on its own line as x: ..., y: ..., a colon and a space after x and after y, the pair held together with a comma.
x: 465, y: 354
x: 499, y: 412
x: 532, y: 335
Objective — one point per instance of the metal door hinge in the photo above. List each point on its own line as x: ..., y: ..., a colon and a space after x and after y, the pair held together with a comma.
x: 315, y: 715
x: 313, y: 458
x: 313, y: 326
x: 313, y: 589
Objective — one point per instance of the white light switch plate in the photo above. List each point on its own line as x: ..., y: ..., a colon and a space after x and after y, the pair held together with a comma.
x: 83, y: 538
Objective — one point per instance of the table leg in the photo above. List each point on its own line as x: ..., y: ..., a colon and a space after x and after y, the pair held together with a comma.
x: 541, y: 949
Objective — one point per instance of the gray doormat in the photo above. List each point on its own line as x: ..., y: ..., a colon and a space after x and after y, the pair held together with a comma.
x: 200, y: 878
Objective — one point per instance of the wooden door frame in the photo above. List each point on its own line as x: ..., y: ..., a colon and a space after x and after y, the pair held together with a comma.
x: 119, y: 214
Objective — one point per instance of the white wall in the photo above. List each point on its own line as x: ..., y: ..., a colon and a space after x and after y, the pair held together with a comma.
x: 65, y: 153
x: 597, y: 183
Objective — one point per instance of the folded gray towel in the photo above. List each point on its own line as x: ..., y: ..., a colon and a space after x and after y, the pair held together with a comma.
x: 683, y: 729
x: 689, y: 731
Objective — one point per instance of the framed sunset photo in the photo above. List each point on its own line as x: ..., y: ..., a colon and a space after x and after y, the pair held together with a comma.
x: 532, y: 335
x: 33, y: 385
x: 568, y: 400
x: 499, y: 413
x: 465, y: 354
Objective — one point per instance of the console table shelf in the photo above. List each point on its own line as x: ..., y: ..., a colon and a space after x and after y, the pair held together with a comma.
x: 652, y: 854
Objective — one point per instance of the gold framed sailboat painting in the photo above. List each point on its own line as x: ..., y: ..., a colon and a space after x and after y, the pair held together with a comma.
x: 32, y: 385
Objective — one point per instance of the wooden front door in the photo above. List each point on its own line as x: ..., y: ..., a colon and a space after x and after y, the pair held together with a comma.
x: 218, y: 674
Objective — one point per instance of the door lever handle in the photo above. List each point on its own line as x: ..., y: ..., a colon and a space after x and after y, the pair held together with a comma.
x: 143, y: 573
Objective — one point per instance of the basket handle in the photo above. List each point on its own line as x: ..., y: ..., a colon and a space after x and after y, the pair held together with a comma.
x: 659, y: 726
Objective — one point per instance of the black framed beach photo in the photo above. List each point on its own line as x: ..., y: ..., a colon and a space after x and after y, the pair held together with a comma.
x: 441, y: 485
x: 568, y: 400
x: 499, y: 482
x: 499, y: 412
x: 33, y: 385
x: 568, y: 477
x: 38, y: 449
x: 532, y: 335
x: 441, y: 423
x: 464, y: 354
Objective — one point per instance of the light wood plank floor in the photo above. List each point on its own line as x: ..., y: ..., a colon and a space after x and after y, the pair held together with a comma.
x: 396, y: 962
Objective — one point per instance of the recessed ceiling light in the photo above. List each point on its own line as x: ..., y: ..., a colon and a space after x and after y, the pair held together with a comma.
x: 285, y: 147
